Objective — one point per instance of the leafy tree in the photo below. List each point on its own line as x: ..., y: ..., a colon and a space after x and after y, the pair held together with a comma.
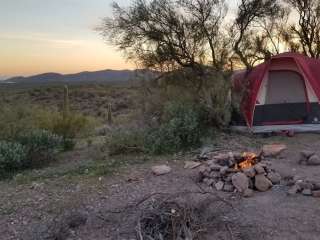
x: 253, y: 27
x: 304, y: 35
x: 168, y: 34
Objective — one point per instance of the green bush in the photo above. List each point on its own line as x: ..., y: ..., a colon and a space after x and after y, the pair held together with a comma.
x: 16, y: 121
x: 125, y: 141
x: 31, y: 149
x: 75, y: 125
x: 12, y: 157
x: 40, y: 145
x: 182, y: 128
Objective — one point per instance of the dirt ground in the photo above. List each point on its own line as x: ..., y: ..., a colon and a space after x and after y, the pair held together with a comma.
x: 110, y: 204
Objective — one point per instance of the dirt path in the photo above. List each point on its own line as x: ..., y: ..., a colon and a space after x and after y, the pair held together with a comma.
x: 29, y: 211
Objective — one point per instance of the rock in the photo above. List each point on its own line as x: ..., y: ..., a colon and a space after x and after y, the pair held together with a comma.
x: 314, y: 160
x: 316, y: 194
x: 304, y: 156
x: 273, y: 150
x: 249, y: 172
x: 262, y: 183
x: 228, y: 187
x: 240, y: 181
x: 208, y: 181
x: 304, y: 184
x: 294, y: 190
x: 248, y: 193
x: 297, y: 178
x: 307, y: 192
x: 224, y: 170
x: 215, y: 174
x: 203, y: 169
x: 274, y: 177
x: 219, y: 185
x: 161, y: 170
x: 215, y: 167
x: 307, y: 154
x: 191, y: 164
x: 259, y: 169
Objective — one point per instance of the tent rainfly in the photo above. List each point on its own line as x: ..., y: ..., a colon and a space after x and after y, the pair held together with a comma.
x: 280, y: 94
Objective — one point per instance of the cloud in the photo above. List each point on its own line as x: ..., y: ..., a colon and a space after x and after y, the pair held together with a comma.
x: 43, y: 38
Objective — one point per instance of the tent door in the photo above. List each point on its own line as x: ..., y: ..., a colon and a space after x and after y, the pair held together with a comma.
x: 286, y: 100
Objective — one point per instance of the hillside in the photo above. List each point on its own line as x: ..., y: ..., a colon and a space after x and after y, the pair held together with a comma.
x: 104, y: 76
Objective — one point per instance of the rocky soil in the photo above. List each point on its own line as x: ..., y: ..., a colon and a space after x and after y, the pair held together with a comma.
x: 108, y: 206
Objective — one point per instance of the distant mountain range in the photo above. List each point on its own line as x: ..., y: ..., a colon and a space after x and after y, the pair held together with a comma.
x: 104, y: 76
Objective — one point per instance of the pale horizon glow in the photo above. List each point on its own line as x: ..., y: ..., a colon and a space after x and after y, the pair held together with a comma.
x: 55, y: 36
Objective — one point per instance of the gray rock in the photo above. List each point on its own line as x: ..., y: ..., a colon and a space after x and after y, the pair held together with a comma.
x: 304, y: 184
x: 273, y: 150
x: 307, y: 192
x: 304, y: 156
x: 274, y: 177
x: 219, y: 185
x: 262, y: 183
x: 228, y: 187
x: 208, y: 181
x: 294, y: 190
x: 259, y: 169
x: 215, y: 167
x: 314, y: 160
x: 248, y: 193
x: 307, y: 154
x: 224, y: 170
x: 249, y: 172
x: 240, y: 181
x: 161, y: 170
x: 214, y: 174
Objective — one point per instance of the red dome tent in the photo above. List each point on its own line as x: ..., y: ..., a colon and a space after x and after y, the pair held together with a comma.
x: 284, y: 90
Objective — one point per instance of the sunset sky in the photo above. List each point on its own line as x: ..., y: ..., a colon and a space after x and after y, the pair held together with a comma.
x: 54, y: 36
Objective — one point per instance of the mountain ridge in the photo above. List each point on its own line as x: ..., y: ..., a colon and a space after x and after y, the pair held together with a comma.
x: 104, y: 76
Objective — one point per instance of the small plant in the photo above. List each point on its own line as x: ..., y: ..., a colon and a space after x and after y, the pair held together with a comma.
x: 40, y: 144
x: 12, y: 157
x: 125, y: 141
x: 182, y: 128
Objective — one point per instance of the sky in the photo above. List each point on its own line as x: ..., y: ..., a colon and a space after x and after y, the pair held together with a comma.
x: 39, y: 36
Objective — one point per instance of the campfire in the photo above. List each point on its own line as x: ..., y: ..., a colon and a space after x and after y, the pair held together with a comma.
x: 239, y: 172
x: 249, y: 160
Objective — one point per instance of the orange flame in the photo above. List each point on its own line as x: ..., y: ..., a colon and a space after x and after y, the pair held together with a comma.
x: 250, y: 160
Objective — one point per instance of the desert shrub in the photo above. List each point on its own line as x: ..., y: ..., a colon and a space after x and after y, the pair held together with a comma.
x: 181, y: 128
x: 75, y: 125
x: 15, y: 120
x: 40, y: 145
x: 211, y: 91
x: 30, y: 149
x: 125, y: 141
x: 12, y: 156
